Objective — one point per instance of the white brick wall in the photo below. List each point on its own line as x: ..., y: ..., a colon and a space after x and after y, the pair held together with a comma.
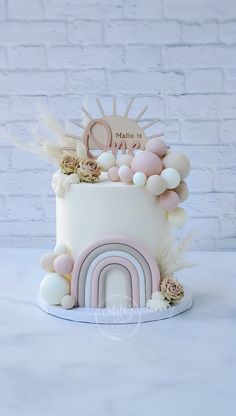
x: 178, y: 56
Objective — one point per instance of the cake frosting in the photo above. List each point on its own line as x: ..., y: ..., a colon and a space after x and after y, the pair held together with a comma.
x: 90, y: 211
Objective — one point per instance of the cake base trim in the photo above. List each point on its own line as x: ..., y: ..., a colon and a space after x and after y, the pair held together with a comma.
x: 112, y: 316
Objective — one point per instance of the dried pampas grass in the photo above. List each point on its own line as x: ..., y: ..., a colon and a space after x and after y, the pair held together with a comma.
x: 171, y: 255
x: 51, y: 148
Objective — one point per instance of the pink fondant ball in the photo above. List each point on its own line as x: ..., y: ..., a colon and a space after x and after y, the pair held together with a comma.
x: 125, y: 174
x: 182, y: 191
x: 113, y: 175
x: 147, y: 162
x: 169, y: 200
x: 156, y: 146
x: 63, y: 264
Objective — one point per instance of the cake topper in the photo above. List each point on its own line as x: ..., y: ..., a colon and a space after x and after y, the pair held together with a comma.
x: 114, y: 132
x: 124, y: 153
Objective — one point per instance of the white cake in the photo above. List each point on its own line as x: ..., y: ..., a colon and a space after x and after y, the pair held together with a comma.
x: 115, y: 210
x: 90, y: 211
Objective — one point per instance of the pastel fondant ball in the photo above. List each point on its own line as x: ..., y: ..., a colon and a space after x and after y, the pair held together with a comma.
x: 169, y: 200
x: 125, y: 174
x: 106, y: 160
x: 139, y: 179
x: 182, y: 191
x: 68, y: 302
x: 178, y: 217
x: 53, y: 288
x: 61, y: 248
x: 156, y: 185
x: 124, y: 160
x: 147, y: 162
x: 171, y: 177
x: 156, y: 146
x: 63, y: 264
x: 138, y: 152
x: 113, y: 174
x: 177, y: 161
x: 47, y: 261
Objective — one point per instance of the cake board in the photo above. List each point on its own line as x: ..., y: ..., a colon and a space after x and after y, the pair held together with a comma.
x: 116, y: 316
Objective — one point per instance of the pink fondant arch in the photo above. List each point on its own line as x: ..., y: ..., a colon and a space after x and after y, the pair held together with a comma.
x: 105, y: 241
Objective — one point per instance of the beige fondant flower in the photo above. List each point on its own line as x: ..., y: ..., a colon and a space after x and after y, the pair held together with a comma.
x: 89, y: 170
x: 172, y: 290
x: 69, y: 164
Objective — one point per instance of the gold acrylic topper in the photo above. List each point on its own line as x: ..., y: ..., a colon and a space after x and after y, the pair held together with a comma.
x: 114, y: 132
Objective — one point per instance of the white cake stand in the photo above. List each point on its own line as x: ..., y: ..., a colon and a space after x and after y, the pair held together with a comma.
x: 116, y: 316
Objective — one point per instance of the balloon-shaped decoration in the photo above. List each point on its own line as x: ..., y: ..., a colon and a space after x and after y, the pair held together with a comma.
x: 124, y: 160
x: 156, y: 185
x: 53, y: 288
x: 178, y: 217
x: 171, y: 177
x: 61, y: 248
x: 169, y: 200
x: 63, y: 264
x: 139, y: 179
x: 182, y: 191
x: 177, y: 161
x: 156, y: 146
x: 47, y: 261
x: 106, y: 160
x: 113, y: 174
x: 68, y: 302
x: 125, y: 174
x: 148, y: 163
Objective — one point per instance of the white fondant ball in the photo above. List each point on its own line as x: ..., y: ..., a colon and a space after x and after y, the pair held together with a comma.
x: 53, y: 288
x: 156, y: 185
x: 106, y: 160
x: 178, y: 217
x: 171, y: 177
x: 139, y: 179
x: 124, y: 160
x: 178, y: 161
x: 47, y: 261
x: 68, y: 302
x: 61, y: 248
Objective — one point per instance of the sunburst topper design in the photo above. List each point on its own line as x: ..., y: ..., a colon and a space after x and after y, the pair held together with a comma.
x: 113, y: 132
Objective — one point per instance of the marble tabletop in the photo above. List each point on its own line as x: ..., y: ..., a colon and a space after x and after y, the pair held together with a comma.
x: 180, y: 366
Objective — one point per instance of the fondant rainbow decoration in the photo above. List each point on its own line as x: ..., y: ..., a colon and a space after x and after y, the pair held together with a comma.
x: 93, y: 262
